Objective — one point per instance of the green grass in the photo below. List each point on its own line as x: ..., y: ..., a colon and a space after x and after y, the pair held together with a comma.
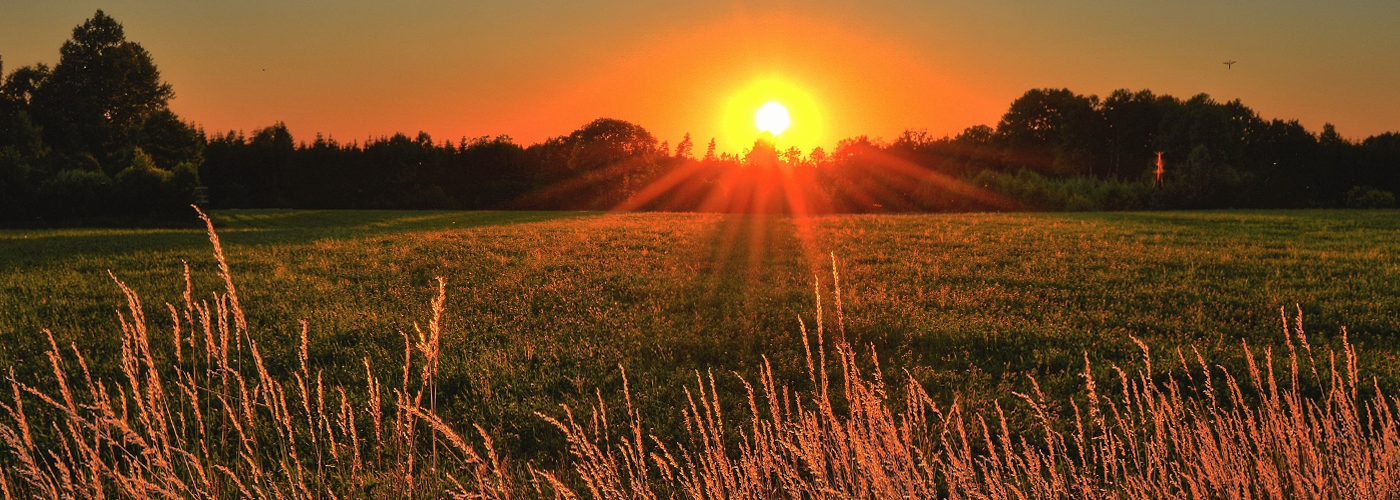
x: 543, y: 307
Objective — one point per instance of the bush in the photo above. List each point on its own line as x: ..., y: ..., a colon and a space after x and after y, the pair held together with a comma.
x: 146, y: 190
x: 141, y: 187
x: 16, y: 194
x: 77, y: 193
x: 184, y: 180
x: 1075, y: 194
x: 1369, y: 197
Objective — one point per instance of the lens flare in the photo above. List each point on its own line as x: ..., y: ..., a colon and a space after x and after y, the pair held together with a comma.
x: 773, y: 118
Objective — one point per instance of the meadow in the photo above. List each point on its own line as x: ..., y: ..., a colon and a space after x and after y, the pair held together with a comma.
x: 546, y: 308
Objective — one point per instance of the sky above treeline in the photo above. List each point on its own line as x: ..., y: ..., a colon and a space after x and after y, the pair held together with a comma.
x: 355, y: 69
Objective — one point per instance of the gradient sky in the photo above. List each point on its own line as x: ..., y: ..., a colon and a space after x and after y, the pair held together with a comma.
x: 534, y: 69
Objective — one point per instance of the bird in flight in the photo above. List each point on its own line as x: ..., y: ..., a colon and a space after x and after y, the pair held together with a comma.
x: 1229, y: 64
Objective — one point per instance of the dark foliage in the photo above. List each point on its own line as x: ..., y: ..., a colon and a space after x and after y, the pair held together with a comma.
x: 92, y: 138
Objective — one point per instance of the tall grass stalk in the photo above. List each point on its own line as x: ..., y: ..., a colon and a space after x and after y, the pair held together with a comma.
x: 202, y: 425
x: 197, y: 424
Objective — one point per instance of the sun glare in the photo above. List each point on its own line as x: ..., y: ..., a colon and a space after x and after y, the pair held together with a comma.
x: 773, y: 118
x: 772, y: 106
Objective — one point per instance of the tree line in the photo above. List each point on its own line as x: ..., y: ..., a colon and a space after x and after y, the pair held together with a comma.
x: 92, y: 139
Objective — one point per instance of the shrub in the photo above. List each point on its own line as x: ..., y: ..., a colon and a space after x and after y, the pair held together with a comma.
x: 77, y: 193
x: 184, y: 180
x: 149, y: 191
x: 1080, y: 193
x: 1369, y: 197
x: 16, y: 193
x: 141, y: 187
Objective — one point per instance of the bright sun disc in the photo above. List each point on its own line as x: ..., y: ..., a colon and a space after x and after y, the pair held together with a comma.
x: 773, y: 118
x: 767, y: 106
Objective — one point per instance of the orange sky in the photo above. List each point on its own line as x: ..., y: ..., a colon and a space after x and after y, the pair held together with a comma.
x: 534, y: 69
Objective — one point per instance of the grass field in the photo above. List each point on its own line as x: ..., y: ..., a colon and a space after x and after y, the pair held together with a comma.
x: 542, y: 308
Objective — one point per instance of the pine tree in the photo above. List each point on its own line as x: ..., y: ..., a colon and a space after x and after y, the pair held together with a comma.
x: 683, y: 149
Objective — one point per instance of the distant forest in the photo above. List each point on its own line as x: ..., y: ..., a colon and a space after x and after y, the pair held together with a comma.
x: 92, y: 140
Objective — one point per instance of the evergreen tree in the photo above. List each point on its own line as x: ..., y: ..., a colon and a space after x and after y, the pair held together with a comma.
x: 683, y: 148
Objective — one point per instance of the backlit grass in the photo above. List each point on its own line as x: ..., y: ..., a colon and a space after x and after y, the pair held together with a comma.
x: 543, y: 307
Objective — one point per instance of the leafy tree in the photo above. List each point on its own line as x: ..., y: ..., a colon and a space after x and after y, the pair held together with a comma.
x: 1284, y: 159
x: 976, y: 135
x: 792, y: 156
x: 269, y: 158
x: 101, y: 86
x: 607, y: 141
x: 168, y: 140
x: 1330, y: 138
x: 1378, y: 161
x: 1202, y: 182
x: 17, y: 130
x: 612, y: 160
x: 1133, y: 119
x: 144, y: 189
x: 19, y: 87
x: 1052, y: 130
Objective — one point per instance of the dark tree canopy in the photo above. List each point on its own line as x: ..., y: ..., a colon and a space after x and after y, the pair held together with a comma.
x: 101, y: 86
x: 1053, y: 129
x: 607, y: 141
x: 93, y: 139
x: 93, y: 136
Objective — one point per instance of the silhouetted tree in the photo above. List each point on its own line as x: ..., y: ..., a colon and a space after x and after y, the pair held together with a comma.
x: 1053, y: 130
x: 683, y: 149
x: 490, y: 172
x: 611, y: 160
x: 976, y: 135
x: 1202, y: 182
x: 607, y: 141
x: 101, y: 86
x: 764, y: 153
x: 168, y: 140
x: 93, y: 138
x: 1133, y: 121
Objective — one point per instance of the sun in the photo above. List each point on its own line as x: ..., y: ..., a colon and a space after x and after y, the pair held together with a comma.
x: 772, y: 118
x: 768, y: 106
